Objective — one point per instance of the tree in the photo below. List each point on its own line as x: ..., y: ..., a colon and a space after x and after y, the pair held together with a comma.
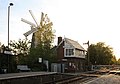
x: 118, y: 62
x: 20, y: 49
x: 114, y: 60
x: 100, y: 53
x: 42, y: 40
x: 45, y: 34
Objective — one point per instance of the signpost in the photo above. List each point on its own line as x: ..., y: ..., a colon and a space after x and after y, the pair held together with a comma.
x: 88, y: 59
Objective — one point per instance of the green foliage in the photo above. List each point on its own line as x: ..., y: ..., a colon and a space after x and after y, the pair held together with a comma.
x: 41, y: 46
x: 114, y: 60
x: 100, y: 53
x: 118, y: 62
x: 20, y: 49
x: 42, y: 40
x: 45, y: 34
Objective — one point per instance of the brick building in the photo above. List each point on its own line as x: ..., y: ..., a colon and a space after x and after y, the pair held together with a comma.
x: 71, y: 55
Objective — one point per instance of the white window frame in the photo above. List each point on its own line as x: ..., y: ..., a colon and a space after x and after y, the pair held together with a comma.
x: 68, y: 53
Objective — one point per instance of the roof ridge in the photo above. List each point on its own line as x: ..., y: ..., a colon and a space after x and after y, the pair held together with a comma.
x: 71, y: 40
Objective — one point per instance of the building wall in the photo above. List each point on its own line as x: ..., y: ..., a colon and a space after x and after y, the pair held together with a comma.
x: 73, y: 62
x: 77, y: 53
x: 66, y: 47
x: 75, y: 65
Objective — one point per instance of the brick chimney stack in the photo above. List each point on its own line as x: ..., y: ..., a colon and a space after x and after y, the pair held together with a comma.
x: 59, y: 40
x: 60, y: 49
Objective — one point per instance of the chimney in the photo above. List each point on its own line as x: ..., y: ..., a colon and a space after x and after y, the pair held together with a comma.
x: 60, y: 49
x: 59, y: 40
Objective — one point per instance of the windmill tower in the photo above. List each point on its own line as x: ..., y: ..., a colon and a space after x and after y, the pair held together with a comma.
x: 35, y: 28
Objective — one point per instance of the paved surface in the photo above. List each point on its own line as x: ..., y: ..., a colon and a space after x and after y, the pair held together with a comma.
x: 106, y: 79
x: 23, y: 74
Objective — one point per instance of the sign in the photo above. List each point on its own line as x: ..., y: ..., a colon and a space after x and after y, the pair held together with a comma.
x: 40, y: 60
x: 8, y: 52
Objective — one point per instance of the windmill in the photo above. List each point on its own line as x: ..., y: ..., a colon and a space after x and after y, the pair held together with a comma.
x: 34, y: 27
x: 44, y: 23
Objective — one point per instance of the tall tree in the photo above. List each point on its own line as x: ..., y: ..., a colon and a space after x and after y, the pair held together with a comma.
x: 45, y: 34
x: 43, y: 38
x: 42, y: 41
x: 100, y: 53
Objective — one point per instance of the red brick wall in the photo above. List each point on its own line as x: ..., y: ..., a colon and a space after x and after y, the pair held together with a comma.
x: 60, y: 49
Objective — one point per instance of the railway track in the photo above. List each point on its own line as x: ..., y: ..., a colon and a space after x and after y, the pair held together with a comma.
x: 82, y: 79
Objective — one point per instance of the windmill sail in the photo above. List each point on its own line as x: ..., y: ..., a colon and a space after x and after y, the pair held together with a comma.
x: 33, y: 17
x: 28, y: 22
x: 33, y: 30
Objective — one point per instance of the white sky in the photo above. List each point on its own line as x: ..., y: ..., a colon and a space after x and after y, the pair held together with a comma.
x: 80, y: 20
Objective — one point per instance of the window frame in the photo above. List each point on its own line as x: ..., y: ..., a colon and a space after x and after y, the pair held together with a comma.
x: 69, y: 52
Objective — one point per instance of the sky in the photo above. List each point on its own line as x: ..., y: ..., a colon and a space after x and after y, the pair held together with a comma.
x: 79, y: 20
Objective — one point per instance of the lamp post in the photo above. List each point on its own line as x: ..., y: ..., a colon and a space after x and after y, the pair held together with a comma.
x: 88, y: 59
x: 11, y: 4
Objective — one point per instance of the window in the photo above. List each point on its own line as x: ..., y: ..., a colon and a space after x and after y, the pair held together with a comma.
x: 69, y: 52
x: 79, y: 52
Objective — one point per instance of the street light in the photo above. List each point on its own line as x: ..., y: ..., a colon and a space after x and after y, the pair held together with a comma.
x: 88, y: 59
x: 11, y: 4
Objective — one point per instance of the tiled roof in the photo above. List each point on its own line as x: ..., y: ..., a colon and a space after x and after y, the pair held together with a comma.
x: 74, y: 43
